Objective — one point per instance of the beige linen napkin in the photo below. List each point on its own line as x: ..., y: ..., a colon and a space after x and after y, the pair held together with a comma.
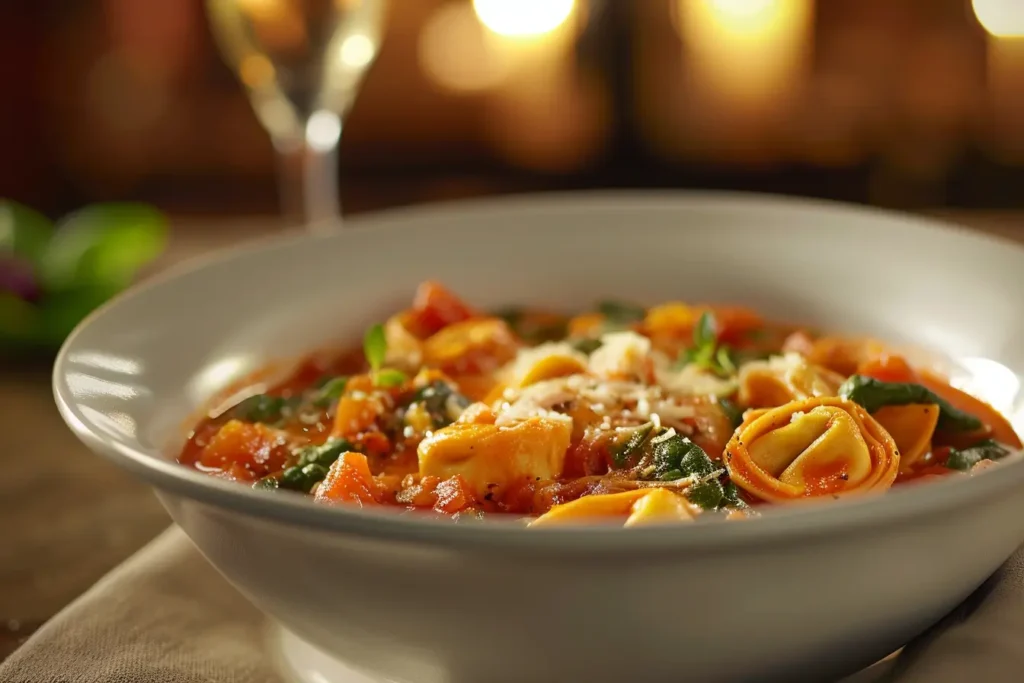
x: 166, y: 616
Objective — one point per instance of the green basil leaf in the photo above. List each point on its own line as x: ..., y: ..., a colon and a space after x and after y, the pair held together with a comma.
x: 873, y: 394
x: 389, y: 377
x: 103, y: 245
x: 706, y: 332
x: 375, y: 347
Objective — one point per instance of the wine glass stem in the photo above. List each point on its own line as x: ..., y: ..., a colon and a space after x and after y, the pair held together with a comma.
x: 320, y: 171
x: 320, y: 188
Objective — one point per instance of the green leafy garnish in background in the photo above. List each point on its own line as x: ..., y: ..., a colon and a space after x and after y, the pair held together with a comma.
x: 872, y: 394
x: 54, y: 274
x: 375, y: 348
x: 619, y: 315
x: 706, y: 353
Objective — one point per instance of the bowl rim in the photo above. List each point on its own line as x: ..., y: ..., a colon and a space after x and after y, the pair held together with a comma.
x: 773, y: 525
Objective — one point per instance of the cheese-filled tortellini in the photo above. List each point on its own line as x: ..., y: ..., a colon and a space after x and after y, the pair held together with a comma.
x: 824, y: 446
x: 781, y: 379
x: 639, y: 507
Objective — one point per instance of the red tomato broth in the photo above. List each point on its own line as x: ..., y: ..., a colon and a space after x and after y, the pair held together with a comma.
x: 383, y: 466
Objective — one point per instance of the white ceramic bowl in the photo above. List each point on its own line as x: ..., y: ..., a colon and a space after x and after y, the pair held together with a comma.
x: 798, y: 594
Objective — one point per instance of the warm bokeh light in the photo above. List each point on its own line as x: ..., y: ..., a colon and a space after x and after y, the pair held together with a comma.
x: 456, y: 53
x: 1001, y: 18
x: 523, y: 18
x: 357, y: 51
x: 748, y: 49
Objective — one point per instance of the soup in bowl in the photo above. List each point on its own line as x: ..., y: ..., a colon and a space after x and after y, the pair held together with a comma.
x: 675, y: 412
x: 444, y: 499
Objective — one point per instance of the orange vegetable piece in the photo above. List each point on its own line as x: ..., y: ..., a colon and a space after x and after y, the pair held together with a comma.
x: 453, y: 494
x: 434, y: 308
x: 888, y: 367
x: 245, y: 451
x: 911, y: 427
x: 470, y: 347
x: 999, y: 427
x: 734, y: 322
x: 355, y: 414
x: 348, y: 481
x: 587, y: 325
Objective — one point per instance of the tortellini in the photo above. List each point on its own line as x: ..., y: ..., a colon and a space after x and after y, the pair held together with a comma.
x: 823, y: 446
x: 781, y: 379
x: 643, y: 506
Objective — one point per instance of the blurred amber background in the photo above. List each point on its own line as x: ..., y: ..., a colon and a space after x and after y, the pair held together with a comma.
x: 907, y: 103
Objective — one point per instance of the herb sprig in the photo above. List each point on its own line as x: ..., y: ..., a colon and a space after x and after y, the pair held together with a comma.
x: 375, y: 348
x: 706, y: 353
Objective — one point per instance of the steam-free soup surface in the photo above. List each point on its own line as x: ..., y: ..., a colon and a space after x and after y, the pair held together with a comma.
x: 637, y: 415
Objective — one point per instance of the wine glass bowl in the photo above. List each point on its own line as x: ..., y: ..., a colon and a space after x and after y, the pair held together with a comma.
x: 302, y: 62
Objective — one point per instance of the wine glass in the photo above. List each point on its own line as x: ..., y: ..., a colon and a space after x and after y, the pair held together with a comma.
x: 302, y: 62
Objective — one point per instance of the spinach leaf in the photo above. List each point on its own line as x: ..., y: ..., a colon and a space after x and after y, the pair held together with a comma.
x: 966, y: 458
x: 620, y: 314
x: 302, y: 477
x: 329, y: 391
x: 679, y: 454
x: 732, y: 497
x: 732, y: 411
x: 587, y: 345
x: 325, y: 454
x: 707, y: 495
x: 873, y: 394
x: 263, y: 408
x: 628, y: 442
x: 534, y: 329
x: 442, y: 402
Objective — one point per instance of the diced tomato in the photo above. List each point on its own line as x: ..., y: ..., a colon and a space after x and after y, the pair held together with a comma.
x: 348, y: 481
x: 735, y: 322
x: 434, y: 308
x: 453, y: 495
x: 585, y: 458
x: 376, y: 443
x: 240, y: 447
x: 888, y: 367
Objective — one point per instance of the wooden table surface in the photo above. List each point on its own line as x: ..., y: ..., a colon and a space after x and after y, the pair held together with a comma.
x: 69, y: 516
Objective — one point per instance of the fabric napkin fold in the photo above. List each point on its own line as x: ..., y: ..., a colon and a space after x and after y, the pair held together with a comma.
x: 166, y: 616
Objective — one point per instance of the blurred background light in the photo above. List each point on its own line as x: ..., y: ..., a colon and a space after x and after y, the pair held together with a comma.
x: 456, y: 53
x: 1001, y: 18
x: 357, y: 51
x: 523, y: 18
